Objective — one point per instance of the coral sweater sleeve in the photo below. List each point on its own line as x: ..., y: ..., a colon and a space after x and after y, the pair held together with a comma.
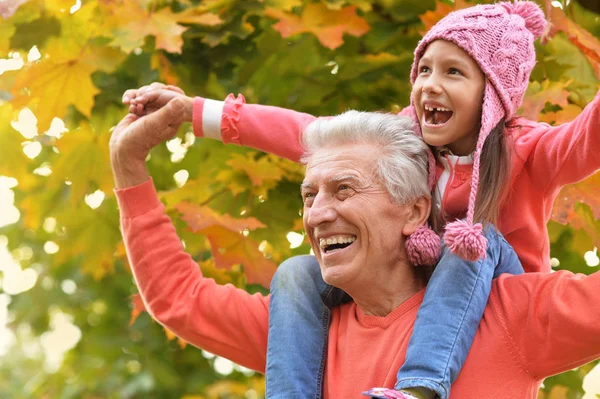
x: 564, y: 154
x: 550, y: 321
x: 271, y: 129
x: 221, y: 319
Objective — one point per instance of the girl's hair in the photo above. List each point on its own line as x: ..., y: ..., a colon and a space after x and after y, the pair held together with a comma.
x: 402, y: 163
x: 494, y: 171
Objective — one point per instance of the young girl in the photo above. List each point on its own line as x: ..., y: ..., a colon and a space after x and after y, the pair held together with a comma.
x: 469, y: 76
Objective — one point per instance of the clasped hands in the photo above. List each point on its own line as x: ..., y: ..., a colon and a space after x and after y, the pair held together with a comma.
x: 155, y: 114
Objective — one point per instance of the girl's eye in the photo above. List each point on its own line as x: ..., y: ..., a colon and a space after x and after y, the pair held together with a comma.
x: 424, y: 69
x: 454, y: 71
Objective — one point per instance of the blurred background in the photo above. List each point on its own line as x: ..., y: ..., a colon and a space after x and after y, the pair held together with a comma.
x: 70, y: 323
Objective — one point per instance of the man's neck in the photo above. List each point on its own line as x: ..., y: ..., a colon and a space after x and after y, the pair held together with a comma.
x: 385, y: 292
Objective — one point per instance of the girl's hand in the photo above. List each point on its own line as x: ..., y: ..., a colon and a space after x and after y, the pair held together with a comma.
x: 144, y: 101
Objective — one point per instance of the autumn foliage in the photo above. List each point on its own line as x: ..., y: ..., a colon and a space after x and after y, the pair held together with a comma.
x: 236, y: 210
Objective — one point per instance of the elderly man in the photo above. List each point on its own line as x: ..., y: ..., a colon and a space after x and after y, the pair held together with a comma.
x: 535, y: 325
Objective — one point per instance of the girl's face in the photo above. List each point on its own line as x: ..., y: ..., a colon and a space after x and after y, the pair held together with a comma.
x: 448, y: 95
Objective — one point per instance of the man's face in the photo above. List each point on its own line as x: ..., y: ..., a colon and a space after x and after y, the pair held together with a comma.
x: 353, y: 225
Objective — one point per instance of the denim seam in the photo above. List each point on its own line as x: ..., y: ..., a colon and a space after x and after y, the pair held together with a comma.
x: 320, y: 376
x: 325, y: 324
x: 464, y: 315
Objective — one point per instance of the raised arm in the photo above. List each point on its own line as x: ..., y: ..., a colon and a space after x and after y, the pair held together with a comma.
x: 271, y: 129
x: 550, y: 320
x: 221, y: 319
x: 560, y: 155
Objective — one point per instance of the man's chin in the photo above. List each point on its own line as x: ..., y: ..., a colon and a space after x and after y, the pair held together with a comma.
x: 334, y: 275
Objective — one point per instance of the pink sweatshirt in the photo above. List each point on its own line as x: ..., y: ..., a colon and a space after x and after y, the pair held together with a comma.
x: 535, y: 325
x: 544, y: 159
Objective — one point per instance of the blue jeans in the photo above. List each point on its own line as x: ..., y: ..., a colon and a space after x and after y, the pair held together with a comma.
x: 444, y: 329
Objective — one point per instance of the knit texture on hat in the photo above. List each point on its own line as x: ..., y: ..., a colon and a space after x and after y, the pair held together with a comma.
x: 499, y: 38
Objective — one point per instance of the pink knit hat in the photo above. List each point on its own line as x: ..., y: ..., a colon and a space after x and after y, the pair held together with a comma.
x: 500, y: 39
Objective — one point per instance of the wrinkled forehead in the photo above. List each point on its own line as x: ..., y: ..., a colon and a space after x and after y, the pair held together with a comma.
x: 357, y: 161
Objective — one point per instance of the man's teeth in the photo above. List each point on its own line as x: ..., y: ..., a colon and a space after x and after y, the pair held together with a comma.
x: 323, y: 242
x: 430, y: 108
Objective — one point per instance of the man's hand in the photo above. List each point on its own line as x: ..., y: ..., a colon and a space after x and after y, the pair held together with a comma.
x: 134, y: 137
x: 149, y: 99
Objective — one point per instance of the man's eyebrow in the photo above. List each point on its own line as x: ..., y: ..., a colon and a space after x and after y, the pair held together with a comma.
x: 306, y: 184
x: 335, y: 179
x: 341, y: 178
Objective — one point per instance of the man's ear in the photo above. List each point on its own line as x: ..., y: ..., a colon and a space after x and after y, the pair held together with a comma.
x: 417, y: 215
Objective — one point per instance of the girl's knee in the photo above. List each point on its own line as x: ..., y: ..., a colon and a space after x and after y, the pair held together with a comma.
x: 297, y: 272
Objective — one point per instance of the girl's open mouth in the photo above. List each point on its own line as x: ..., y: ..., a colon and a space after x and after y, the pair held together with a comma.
x: 436, y: 115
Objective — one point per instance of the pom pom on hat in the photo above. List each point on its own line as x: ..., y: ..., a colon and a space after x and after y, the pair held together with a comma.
x: 466, y: 240
x: 535, y: 22
x: 423, y: 247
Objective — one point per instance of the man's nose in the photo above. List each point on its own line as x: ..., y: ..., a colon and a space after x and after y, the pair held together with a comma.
x: 321, y: 211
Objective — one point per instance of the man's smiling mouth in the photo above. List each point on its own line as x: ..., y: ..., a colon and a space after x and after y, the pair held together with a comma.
x: 333, y: 243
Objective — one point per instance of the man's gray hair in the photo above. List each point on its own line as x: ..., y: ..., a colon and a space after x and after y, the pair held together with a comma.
x: 402, y: 159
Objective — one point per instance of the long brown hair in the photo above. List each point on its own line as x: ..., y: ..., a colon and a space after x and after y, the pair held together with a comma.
x: 494, y: 171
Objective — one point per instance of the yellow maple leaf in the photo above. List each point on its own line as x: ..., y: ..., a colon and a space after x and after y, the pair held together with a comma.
x: 7, y: 29
x: 285, y: 5
x: 59, y: 80
x: 327, y: 25
x: 258, y: 170
x: 130, y: 23
x: 85, y: 161
x: 92, y: 235
x: 13, y: 161
x: 59, y: 7
x: 197, y: 15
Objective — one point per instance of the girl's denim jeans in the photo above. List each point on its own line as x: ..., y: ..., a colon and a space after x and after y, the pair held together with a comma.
x: 445, y: 327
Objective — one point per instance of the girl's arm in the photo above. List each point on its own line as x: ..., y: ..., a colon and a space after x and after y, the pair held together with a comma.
x: 271, y: 129
x: 560, y: 155
x: 221, y: 319
x: 549, y: 320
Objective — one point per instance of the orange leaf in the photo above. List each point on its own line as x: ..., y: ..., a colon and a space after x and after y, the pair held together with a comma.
x: 565, y: 115
x: 165, y: 68
x: 327, y: 25
x: 538, y: 95
x: 584, y: 40
x: 432, y: 17
x: 228, y: 246
x: 201, y: 217
x: 587, y: 191
x: 138, y: 307
x: 171, y: 336
x: 229, y: 249
x: 130, y: 23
